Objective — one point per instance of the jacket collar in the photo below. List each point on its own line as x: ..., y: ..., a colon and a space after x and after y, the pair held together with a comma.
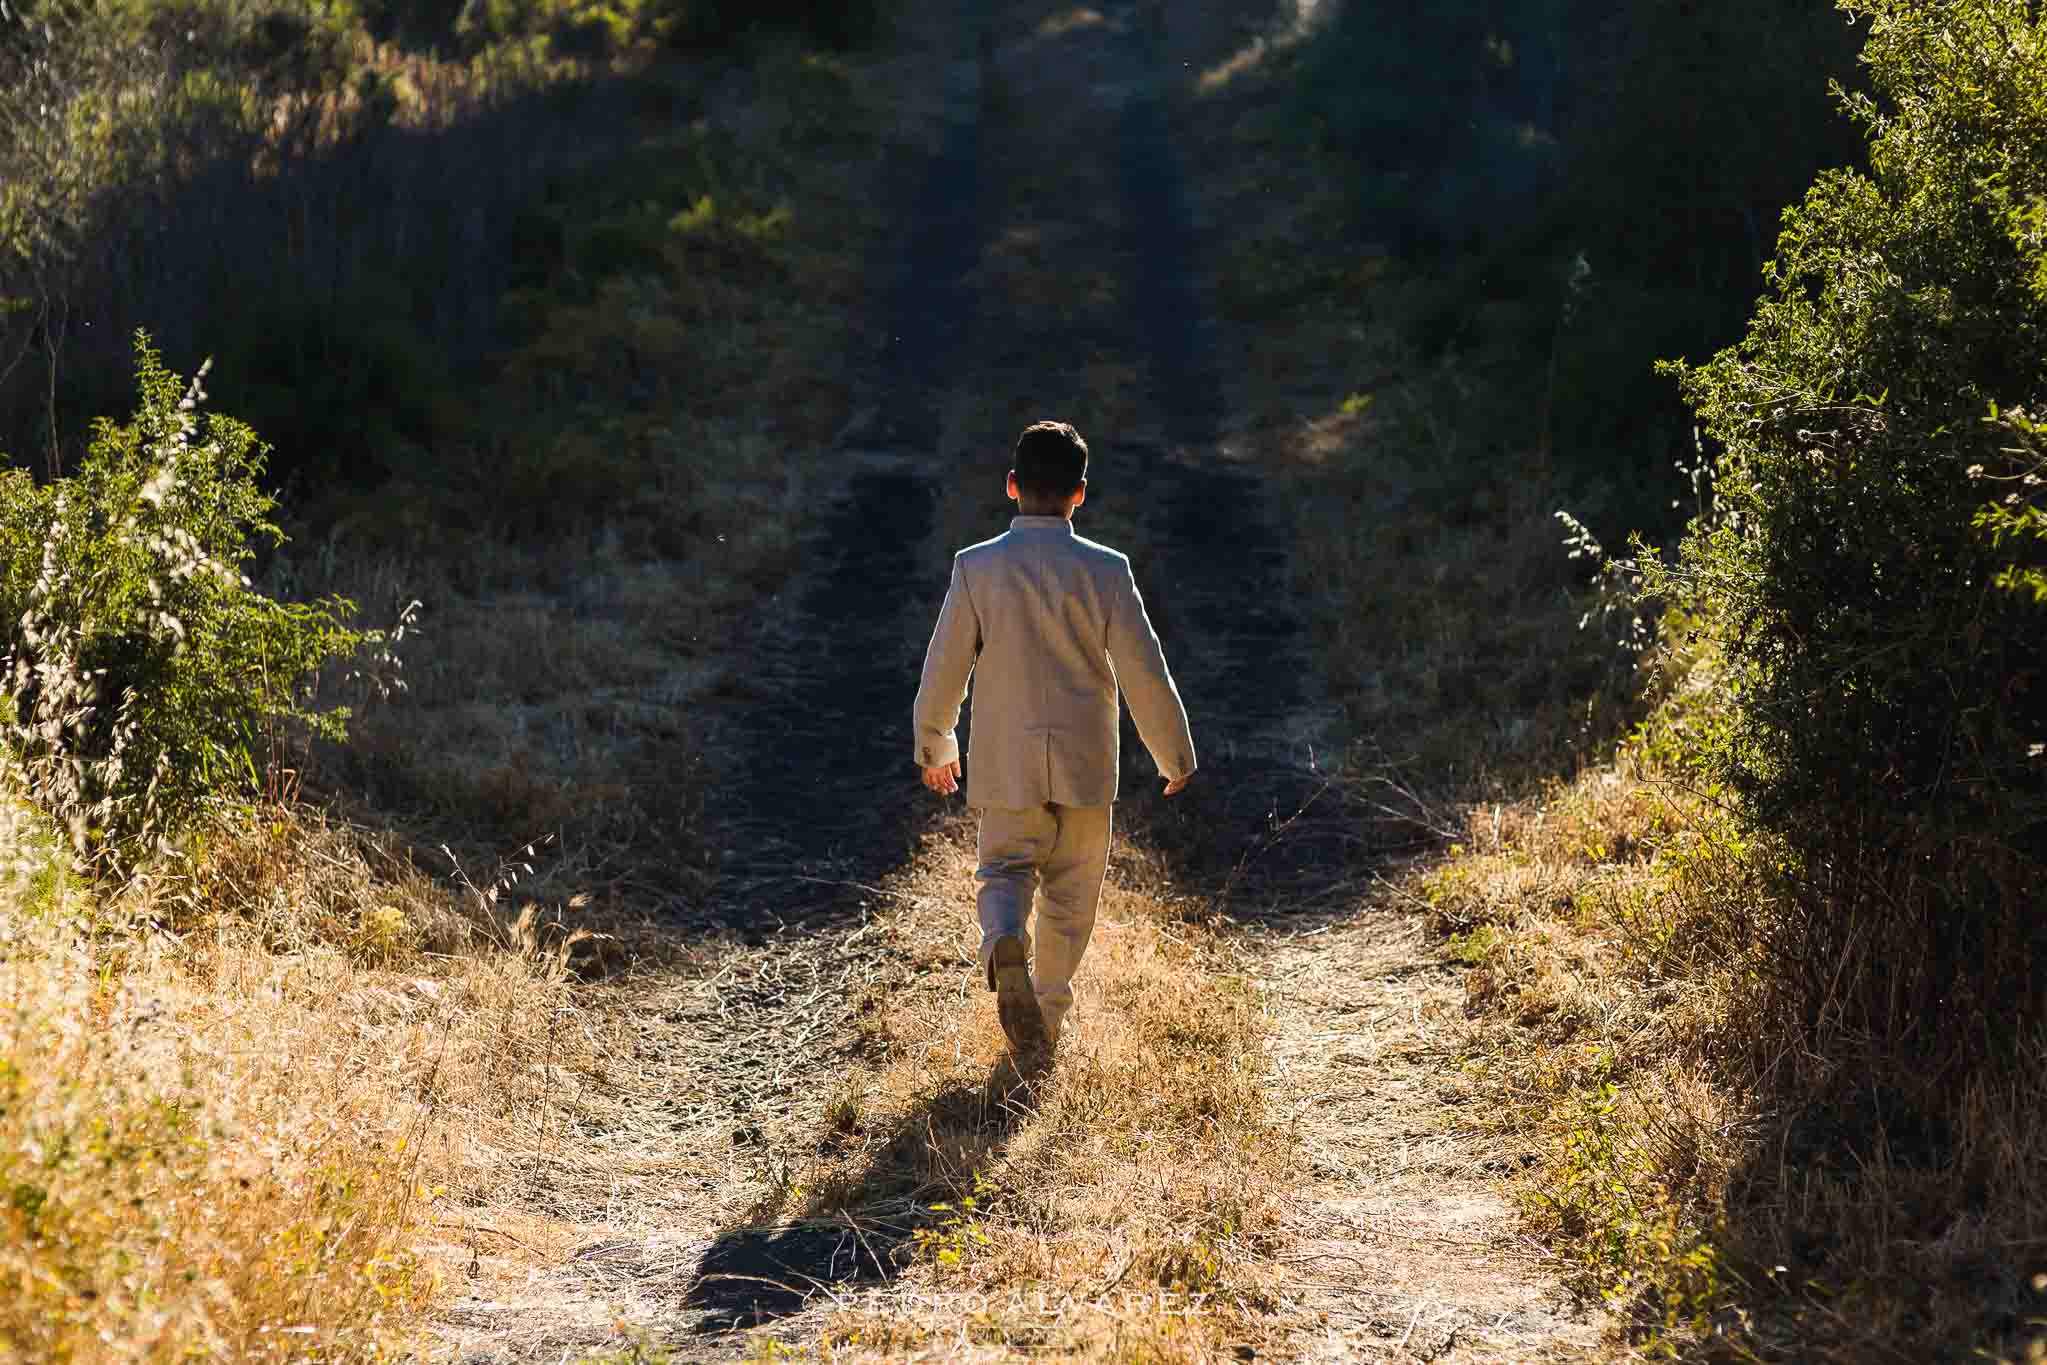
x: 1041, y: 524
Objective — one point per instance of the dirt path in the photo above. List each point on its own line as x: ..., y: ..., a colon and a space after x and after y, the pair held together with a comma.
x: 1399, y: 1248
x: 610, y: 1230
x: 797, y: 823
x: 1401, y: 1239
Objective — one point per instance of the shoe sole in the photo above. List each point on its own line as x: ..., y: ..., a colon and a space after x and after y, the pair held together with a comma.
x: 1016, y: 1003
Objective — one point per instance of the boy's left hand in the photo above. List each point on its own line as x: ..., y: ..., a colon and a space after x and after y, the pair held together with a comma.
x: 943, y: 779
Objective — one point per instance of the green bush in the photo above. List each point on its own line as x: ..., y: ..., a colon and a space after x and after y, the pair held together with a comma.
x: 1872, y: 570
x: 144, y: 673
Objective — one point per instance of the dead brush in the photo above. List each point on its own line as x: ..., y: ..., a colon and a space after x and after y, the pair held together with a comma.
x: 292, y: 879
x: 527, y: 934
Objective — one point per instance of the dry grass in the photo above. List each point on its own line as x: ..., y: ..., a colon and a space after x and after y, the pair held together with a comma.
x: 552, y: 687
x: 239, y: 1094
x: 1431, y: 566
x: 1710, y: 1162
x: 1122, y: 1204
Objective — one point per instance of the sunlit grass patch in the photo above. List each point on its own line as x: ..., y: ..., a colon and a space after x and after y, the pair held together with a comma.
x: 1127, y: 1198
x: 241, y: 1095
x: 139, y: 1217
x: 1706, y: 1161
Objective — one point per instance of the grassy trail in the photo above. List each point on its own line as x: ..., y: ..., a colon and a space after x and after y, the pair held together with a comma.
x: 1250, y: 1145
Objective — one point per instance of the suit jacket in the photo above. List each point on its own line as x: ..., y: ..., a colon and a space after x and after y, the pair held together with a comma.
x: 1048, y: 624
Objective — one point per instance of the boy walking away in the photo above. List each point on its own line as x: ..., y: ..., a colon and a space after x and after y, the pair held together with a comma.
x: 1049, y: 625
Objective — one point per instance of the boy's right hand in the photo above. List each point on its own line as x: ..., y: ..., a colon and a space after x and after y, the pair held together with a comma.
x: 943, y: 779
x: 1178, y: 784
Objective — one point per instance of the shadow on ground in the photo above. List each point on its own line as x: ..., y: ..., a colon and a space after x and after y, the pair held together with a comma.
x: 861, y: 1231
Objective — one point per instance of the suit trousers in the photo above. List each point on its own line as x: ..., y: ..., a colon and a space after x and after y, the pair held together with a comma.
x: 1058, y: 856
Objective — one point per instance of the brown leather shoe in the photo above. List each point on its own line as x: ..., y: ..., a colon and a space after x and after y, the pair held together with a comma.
x: 1016, y: 1003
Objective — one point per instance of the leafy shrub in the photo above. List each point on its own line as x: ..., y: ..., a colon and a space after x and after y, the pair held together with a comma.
x: 1876, y: 604
x: 144, y: 672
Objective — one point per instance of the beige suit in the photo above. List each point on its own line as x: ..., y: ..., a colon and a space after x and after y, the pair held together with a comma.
x: 1048, y: 625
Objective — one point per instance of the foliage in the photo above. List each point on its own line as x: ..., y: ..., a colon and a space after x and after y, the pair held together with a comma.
x: 1878, y: 609
x: 1630, y: 1242
x: 2017, y: 517
x: 222, y: 171
x: 958, y: 1232
x: 599, y: 27
x: 145, y: 673
x: 835, y: 23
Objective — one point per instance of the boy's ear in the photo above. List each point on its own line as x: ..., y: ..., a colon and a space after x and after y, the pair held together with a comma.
x: 1081, y: 496
x: 1012, y: 485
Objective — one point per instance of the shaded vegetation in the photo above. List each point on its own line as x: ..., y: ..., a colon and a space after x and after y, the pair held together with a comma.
x: 1866, y: 569
x: 365, y: 238
x: 1759, y: 987
x: 1766, y: 987
x: 1578, y: 190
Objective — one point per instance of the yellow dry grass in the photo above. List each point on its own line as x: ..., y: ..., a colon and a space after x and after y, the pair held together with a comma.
x: 1710, y: 1162
x: 1121, y: 1204
x: 237, y: 1094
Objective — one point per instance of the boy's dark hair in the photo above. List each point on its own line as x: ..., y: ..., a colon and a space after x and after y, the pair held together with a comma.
x: 1051, y: 461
